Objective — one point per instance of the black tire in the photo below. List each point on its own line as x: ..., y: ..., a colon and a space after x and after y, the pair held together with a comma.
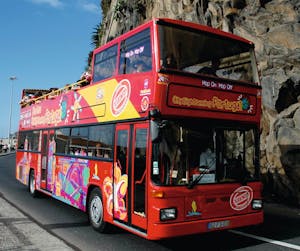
x: 31, y: 184
x: 96, y: 212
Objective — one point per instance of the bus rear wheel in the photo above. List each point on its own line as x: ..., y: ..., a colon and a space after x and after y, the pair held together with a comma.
x: 31, y: 184
x: 96, y: 211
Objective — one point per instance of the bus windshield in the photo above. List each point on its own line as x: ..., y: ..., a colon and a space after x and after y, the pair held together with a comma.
x: 200, y: 52
x: 202, y: 152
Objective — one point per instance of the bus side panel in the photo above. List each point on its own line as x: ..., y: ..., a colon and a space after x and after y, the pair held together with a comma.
x: 102, y: 177
x: 72, y: 177
x: 25, y: 161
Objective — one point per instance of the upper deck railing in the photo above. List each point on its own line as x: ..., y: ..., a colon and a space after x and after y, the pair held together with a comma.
x: 27, y: 99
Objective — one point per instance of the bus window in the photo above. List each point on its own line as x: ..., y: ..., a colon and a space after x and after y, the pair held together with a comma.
x: 238, y: 149
x: 122, y: 149
x: 188, y: 151
x: 78, y: 141
x: 62, y: 139
x: 250, y: 152
x: 35, y: 135
x: 29, y: 141
x: 235, y: 57
x: 105, y: 64
x: 136, y: 53
x: 100, y: 141
x: 140, y: 170
x: 21, y: 140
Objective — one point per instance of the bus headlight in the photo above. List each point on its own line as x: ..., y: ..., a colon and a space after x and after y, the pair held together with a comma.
x: 168, y: 214
x: 257, y: 204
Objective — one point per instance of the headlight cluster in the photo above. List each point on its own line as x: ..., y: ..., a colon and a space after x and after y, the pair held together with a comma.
x: 168, y: 214
x: 257, y: 204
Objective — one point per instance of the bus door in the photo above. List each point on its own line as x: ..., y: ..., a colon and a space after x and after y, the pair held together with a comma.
x: 139, y: 174
x: 47, y: 160
x: 130, y: 175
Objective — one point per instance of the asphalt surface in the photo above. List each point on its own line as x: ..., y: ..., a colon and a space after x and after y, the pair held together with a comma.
x: 20, y: 232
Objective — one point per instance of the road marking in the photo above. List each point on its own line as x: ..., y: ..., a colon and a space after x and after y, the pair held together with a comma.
x: 280, y: 243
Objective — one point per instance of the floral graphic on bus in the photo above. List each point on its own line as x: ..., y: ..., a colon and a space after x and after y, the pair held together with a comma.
x: 76, y: 107
x: 95, y: 174
x: 115, y: 195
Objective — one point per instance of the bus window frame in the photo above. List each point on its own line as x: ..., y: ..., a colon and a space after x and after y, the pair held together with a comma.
x: 247, y: 47
x: 133, y: 48
x: 114, y: 56
x: 33, y: 139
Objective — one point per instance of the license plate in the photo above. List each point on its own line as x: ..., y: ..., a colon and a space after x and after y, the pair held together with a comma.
x: 218, y: 224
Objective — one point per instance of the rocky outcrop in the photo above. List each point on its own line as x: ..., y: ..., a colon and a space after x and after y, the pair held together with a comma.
x: 282, y: 155
x: 274, y: 27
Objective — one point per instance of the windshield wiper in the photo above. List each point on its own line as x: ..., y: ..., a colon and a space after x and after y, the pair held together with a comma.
x: 192, y: 183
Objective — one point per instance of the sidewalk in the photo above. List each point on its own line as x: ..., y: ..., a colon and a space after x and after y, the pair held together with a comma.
x: 18, y: 232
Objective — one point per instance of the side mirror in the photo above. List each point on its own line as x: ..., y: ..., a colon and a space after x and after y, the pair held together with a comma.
x: 154, y: 130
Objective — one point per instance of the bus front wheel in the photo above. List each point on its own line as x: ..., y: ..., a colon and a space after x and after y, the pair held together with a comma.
x: 96, y: 211
x: 31, y: 184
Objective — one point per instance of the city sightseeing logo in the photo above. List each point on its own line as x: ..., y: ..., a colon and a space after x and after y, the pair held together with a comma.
x: 120, y: 97
x: 241, y: 198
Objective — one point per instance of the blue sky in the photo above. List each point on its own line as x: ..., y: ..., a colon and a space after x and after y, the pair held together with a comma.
x: 44, y: 43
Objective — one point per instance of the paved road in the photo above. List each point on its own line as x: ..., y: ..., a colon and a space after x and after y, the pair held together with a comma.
x: 20, y: 232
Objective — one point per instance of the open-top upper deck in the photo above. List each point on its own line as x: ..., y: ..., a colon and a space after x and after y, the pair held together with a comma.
x: 164, y: 65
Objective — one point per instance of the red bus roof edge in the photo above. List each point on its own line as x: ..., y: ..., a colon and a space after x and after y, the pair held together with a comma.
x: 206, y: 28
x: 196, y: 26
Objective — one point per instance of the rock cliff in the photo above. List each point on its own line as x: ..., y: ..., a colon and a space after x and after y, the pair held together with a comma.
x: 274, y: 27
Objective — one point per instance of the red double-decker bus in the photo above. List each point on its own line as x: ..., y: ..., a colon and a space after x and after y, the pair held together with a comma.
x: 163, y: 141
